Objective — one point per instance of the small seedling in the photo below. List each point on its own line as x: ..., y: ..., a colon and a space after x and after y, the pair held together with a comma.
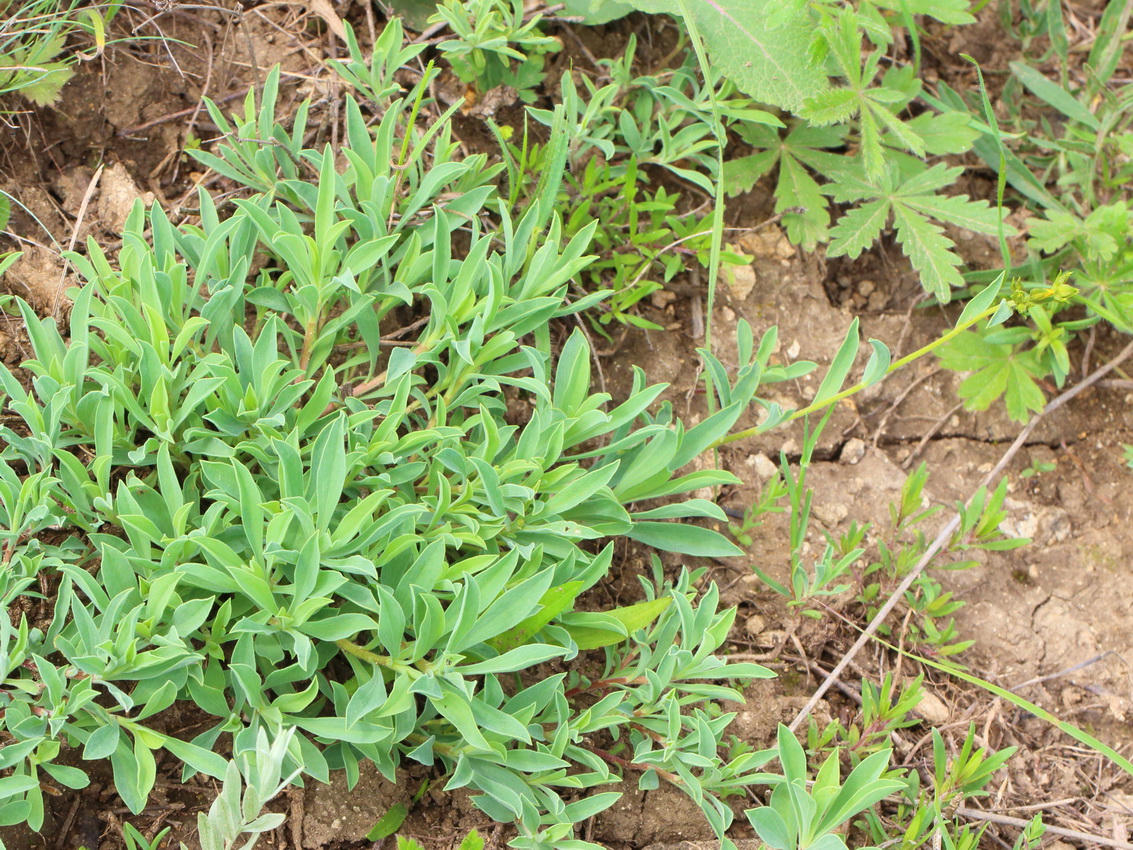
x: 1037, y: 468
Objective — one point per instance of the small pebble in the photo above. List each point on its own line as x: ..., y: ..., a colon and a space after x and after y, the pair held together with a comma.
x: 830, y: 515
x: 763, y: 465
x: 853, y: 451
x: 932, y: 709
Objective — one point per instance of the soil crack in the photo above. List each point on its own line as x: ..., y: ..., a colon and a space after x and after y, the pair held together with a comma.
x: 897, y: 440
x: 1034, y: 629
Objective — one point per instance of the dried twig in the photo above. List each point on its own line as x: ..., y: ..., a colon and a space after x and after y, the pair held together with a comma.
x: 929, y: 434
x: 87, y: 195
x: 946, y: 532
x: 897, y: 402
x: 174, y: 116
x: 991, y: 817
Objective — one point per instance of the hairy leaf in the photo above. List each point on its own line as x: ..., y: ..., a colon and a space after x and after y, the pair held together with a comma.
x: 771, y: 64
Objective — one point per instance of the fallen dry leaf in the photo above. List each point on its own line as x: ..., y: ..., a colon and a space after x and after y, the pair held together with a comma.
x: 326, y: 11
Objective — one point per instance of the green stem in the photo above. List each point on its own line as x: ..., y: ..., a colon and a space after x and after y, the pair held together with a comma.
x: 856, y: 388
x: 379, y: 660
x: 310, y: 334
x: 718, y: 196
x: 618, y: 761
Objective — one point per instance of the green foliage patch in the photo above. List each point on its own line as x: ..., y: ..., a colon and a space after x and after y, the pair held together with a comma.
x: 35, y: 60
x: 234, y: 486
x: 314, y: 465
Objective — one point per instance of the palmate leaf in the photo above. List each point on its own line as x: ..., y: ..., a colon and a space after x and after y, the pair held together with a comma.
x: 999, y: 370
x: 930, y: 252
x: 945, y: 11
x: 741, y: 174
x: 799, y: 198
x: 905, y: 135
x: 957, y: 210
x: 873, y: 154
x: 798, y: 195
x: 832, y: 107
x: 915, y: 202
x: 858, y: 229
x: 44, y: 85
x: 1096, y: 237
x: 945, y: 133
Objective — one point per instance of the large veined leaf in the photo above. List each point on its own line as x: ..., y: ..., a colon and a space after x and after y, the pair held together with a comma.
x: 768, y: 62
x: 596, y: 12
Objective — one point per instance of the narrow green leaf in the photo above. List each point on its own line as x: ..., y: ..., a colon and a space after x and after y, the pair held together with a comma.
x: 631, y: 618
x: 251, y: 508
x: 1053, y: 94
x: 840, y: 366
x: 1110, y: 40
x: 68, y: 776
x: 102, y: 742
x: 878, y: 365
x: 389, y: 823
x: 791, y: 756
x: 640, y: 615
x: 328, y: 471
x: 511, y: 608
x: 684, y: 538
x: 1056, y: 30
x: 1002, y: 314
x: 520, y: 658
x: 197, y: 757
x: 553, y: 602
x: 572, y: 377
x: 981, y: 301
x: 771, y: 828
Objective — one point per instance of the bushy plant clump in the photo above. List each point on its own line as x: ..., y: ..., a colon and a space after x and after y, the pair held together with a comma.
x: 271, y: 471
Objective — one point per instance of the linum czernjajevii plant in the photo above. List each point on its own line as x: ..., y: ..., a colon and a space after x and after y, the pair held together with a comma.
x: 831, y: 572
x: 927, y: 815
x: 296, y: 497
